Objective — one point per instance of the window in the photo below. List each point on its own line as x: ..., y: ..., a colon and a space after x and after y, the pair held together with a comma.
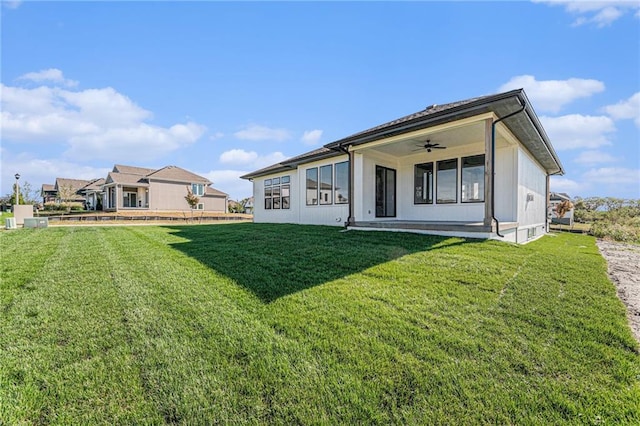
x: 286, y: 198
x: 473, y: 179
x: 200, y: 206
x: 342, y: 183
x: 197, y: 189
x: 326, y: 184
x: 312, y: 187
x: 423, y: 183
x: 447, y: 181
x: 276, y: 196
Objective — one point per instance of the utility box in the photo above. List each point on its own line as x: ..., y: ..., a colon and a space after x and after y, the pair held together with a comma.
x: 21, y: 212
x: 10, y: 223
x: 36, y: 222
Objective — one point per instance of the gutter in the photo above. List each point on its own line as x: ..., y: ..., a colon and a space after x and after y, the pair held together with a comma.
x: 427, y: 121
x: 493, y: 162
x: 350, y: 192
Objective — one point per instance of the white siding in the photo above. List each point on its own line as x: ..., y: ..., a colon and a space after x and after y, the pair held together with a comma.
x: 368, y: 182
x: 458, y: 212
x: 330, y: 214
x: 532, y: 209
x: 290, y: 215
x: 505, y: 184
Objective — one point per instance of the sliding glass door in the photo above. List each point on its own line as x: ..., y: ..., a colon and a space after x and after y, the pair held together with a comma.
x: 385, y: 192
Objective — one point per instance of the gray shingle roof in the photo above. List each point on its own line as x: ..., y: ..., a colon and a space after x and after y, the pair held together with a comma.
x: 126, y: 179
x: 291, y: 163
x: 132, y: 170
x: 525, y: 126
x: 175, y: 173
x: 214, y: 192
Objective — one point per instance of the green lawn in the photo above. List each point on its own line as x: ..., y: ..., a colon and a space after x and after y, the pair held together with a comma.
x: 248, y: 323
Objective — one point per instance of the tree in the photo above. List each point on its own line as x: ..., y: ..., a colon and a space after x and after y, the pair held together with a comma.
x: 29, y: 195
x: 12, y: 196
x: 238, y: 206
x: 192, y: 200
x: 563, y: 208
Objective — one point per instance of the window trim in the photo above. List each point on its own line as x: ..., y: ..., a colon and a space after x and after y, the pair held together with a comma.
x: 455, y: 184
x: 335, y: 183
x: 431, y: 192
x: 306, y: 185
x: 272, y: 201
x: 197, y: 189
x: 462, y: 179
x: 329, y: 191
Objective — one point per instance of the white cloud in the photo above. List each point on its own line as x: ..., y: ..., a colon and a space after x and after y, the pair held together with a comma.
x: 251, y: 159
x: 552, y: 95
x: 37, y: 170
x: 229, y: 181
x: 311, y: 137
x: 216, y: 135
x: 261, y: 133
x: 53, y: 75
x: 578, y: 131
x: 569, y: 186
x: 142, y: 140
x: 615, y: 176
x: 11, y: 4
x: 600, y: 13
x: 92, y: 123
x: 238, y: 156
x: 594, y: 157
x: 626, y: 109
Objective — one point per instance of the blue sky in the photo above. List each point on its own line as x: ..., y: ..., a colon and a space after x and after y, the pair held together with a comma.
x: 222, y: 89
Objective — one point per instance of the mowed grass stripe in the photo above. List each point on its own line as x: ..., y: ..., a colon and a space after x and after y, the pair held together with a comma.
x: 65, y: 356
x: 291, y: 324
x: 200, y: 353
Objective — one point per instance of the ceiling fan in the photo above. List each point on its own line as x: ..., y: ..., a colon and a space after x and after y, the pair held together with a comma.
x: 429, y: 146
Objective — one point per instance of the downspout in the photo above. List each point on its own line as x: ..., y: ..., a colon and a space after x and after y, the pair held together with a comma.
x: 350, y: 192
x: 493, y: 165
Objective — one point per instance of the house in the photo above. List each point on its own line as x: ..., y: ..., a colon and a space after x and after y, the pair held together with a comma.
x: 139, y: 188
x: 556, y: 198
x: 70, y: 190
x: 49, y: 193
x: 474, y: 168
x: 248, y: 207
x: 93, y: 194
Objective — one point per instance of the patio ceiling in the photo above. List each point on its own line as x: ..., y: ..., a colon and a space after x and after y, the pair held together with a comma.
x: 453, y: 138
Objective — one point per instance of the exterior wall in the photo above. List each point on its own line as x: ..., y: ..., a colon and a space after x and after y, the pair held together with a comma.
x: 330, y: 214
x: 367, y: 173
x: 290, y: 215
x: 214, y: 203
x: 458, y: 212
x: 506, y: 191
x: 168, y: 196
x: 532, y: 203
x: 405, y: 208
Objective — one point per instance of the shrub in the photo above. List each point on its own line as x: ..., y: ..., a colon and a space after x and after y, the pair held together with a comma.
x: 615, y: 231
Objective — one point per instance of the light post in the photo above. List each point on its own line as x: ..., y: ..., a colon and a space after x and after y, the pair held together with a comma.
x: 17, y: 176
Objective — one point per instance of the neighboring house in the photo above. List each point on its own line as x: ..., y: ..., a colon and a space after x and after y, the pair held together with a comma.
x: 138, y: 188
x: 49, y: 193
x: 92, y: 193
x: 556, y: 198
x: 430, y: 172
x: 248, y: 208
x: 70, y: 190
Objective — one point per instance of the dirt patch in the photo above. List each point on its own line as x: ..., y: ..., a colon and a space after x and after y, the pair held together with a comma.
x: 624, y: 270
